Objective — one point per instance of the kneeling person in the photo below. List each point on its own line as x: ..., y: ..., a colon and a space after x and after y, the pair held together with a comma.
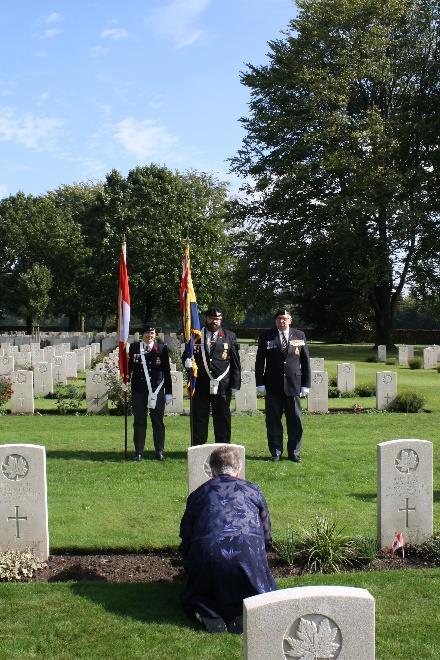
x: 225, y: 532
x: 150, y: 378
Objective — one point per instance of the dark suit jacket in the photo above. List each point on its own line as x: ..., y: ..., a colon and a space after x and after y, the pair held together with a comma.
x: 278, y: 373
x: 225, y: 353
x: 158, y: 365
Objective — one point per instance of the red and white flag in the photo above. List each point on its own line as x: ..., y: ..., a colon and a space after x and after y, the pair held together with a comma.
x: 123, y: 314
x: 398, y: 544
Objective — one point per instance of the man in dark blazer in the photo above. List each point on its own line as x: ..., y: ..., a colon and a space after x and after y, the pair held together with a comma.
x: 150, y: 379
x: 282, y: 373
x: 218, y: 377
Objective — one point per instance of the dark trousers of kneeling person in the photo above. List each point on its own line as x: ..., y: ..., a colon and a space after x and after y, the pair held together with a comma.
x: 221, y: 416
x: 140, y: 414
x: 276, y: 405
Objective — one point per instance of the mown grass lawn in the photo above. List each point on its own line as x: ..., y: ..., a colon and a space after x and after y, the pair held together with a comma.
x: 99, y: 502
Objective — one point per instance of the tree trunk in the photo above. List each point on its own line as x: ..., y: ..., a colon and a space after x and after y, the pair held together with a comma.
x: 104, y: 321
x: 381, y: 300
x: 29, y: 325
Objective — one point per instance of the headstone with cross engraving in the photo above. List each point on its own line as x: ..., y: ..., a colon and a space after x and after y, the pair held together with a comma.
x: 43, y: 380
x: 403, y: 356
x: 246, y: 396
x: 318, y: 395
x: 59, y: 369
x: 381, y: 353
x: 386, y: 388
x: 23, y: 499
x: 71, y: 364
x: 247, y: 360
x: 310, y: 622
x: 404, y: 491
x: 23, y: 360
x: 316, y: 364
x: 346, y: 377
x: 6, y: 365
x: 37, y: 355
x: 198, y: 463
x: 176, y: 406
x: 22, y: 399
x: 96, y: 393
x: 49, y: 352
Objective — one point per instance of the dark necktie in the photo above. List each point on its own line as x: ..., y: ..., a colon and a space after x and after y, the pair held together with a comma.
x: 212, y: 344
x: 284, y: 343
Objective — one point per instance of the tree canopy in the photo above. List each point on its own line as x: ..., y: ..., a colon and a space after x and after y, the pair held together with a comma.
x: 341, y: 157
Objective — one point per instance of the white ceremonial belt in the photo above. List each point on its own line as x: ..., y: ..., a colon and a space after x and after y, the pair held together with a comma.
x: 152, y: 396
x: 213, y: 382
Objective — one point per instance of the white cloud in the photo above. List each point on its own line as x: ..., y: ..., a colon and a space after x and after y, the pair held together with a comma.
x: 3, y: 191
x: 51, y: 32
x: 98, y: 51
x: 48, y: 23
x: 177, y: 20
x: 29, y: 130
x: 55, y: 17
x: 115, y: 34
x: 143, y: 138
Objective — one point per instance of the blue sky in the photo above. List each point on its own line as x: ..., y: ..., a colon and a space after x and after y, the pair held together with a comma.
x: 86, y: 86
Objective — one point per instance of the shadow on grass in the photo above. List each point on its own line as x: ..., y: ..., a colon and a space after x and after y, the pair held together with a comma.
x: 373, y: 496
x: 157, y: 602
x: 115, y: 457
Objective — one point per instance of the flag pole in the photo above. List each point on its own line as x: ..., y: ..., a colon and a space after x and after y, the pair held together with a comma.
x: 125, y: 415
x: 123, y: 331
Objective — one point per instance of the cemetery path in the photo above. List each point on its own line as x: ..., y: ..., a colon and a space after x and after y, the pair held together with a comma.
x: 165, y: 566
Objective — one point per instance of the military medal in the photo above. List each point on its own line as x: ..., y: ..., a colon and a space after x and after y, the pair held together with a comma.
x: 297, y: 351
x: 158, y: 362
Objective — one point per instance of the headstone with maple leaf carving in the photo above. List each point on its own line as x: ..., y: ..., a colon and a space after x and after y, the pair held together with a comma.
x: 309, y: 623
x: 23, y: 499
x: 22, y: 399
x: 404, y: 491
x: 386, y: 388
x: 198, y: 463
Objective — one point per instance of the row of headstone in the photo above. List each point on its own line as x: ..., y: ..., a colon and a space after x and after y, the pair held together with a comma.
x: 386, y: 387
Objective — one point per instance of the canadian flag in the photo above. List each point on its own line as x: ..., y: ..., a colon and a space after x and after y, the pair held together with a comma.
x: 398, y: 543
x: 123, y: 314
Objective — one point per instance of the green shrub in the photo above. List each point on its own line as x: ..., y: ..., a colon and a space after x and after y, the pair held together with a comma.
x: 97, y: 359
x: 364, y: 551
x: 68, y: 399
x: 407, y: 402
x: 5, y: 391
x: 332, y: 382
x: 333, y: 393
x: 16, y: 565
x: 324, y: 548
x: 371, y: 358
x: 438, y: 368
x: 430, y: 550
x: 287, y: 547
x: 346, y: 395
x: 115, y: 391
x: 415, y: 363
x: 365, y: 389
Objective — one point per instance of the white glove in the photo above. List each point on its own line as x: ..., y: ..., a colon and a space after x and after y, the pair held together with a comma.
x: 304, y: 392
x: 188, y: 363
x: 168, y: 398
x: 234, y: 391
x: 261, y: 389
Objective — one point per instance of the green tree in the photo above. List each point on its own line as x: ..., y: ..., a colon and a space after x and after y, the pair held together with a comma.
x: 34, y: 292
x: 341, y: 153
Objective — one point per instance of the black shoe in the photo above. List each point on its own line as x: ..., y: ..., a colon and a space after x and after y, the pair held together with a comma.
x: 212, y: 625
x: 236, y: 625
x: 138, y: 457
x: 276, y: 457
x: 160, y: 456
x: 295, y: 459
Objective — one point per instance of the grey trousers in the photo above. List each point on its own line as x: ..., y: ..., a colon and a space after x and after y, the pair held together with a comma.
x: 140, y: 415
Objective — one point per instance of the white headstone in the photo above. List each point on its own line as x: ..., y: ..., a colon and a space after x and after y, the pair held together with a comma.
x: 198, y: 463
x: 246, y: 396
x: 404, y: 491
x: 37, y: 355
x: 6, y: 365
x: 382, y: 353
x: 410, y: 351
x: 403, y: 356
x: 318, y: 396
x: 429, y: 358
x: 176, y: 406
x: 87, y: 357
x: 316, y: 364
x: 59, y: 369
x: 310, y: 623
x: 71, y: 364
x: 22, y: 399
x: 49, y: 352
x: 23, y: 499
x: 23, y: 360
x: 80, y: 359
x: 43, y: 380
x: 346, y: 377
x: 96, y: 393
x: 386, y: 388
x: 248, y: 361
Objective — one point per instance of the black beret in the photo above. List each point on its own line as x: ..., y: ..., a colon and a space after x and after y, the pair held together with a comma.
x: 214, y: 312
x: 149, y: 328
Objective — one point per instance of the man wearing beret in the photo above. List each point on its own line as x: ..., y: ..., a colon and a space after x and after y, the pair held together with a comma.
x: 218, y: 377
x: 150, y: 378
x: 282, y: 374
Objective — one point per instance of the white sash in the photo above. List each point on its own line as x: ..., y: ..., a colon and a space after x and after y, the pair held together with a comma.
x: 152, y: 396
x: 213, y: 382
